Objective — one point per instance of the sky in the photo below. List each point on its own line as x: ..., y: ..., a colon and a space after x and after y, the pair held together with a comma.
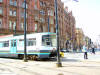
x: 87, y: 15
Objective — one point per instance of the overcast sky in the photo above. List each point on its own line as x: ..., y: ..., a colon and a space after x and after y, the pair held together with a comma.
x: 87, y: 15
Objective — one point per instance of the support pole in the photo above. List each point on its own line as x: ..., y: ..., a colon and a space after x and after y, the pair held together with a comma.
x: 25, y: 51
x: 57, y: 33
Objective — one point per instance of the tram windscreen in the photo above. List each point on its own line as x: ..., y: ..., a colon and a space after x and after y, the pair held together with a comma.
x: 49, y: 40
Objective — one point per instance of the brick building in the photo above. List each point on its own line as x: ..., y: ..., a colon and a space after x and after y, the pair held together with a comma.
x: 72, y: 30
x: 12, y: 15
x: 38, y: 12
x: 79, y: 38
x: 69, y: 29
x: 47, y: 10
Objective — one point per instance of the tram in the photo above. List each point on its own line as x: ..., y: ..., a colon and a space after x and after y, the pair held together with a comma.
x: 38, y: 45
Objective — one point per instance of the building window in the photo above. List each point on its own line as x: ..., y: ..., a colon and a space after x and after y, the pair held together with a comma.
x: 10, y: 24
x: 10, y: 12
x: 14, y: 13
x: 22, y: 26
x: 52, y: 13
x: 0, y: 23
x: 42, y: 12
x: 35, y: 27
x: 44, y: 28
x: 51, y: 21
x: 15, y: 3
x: 35, y: 5
x: 52, y: 29
x: 14, y: 25
x: 1, y: 0
x: 1, y: 10
x: 42, y: 20
x: 22, y: 15
x: 41, y: 3
x: 36, y: 18
x: 11, y: 2
x: 23, y: 5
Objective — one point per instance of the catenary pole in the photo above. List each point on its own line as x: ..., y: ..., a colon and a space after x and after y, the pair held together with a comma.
x: 57, y: 34
x: 25, y: 51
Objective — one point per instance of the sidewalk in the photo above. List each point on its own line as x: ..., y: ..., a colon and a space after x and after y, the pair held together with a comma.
x: 80, y: 56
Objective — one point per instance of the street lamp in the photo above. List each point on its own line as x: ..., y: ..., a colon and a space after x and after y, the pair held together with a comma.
x: 25, y: 51
x: 57, y: 33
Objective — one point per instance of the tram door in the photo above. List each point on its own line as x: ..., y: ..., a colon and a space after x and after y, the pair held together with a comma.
x: 13, y: 46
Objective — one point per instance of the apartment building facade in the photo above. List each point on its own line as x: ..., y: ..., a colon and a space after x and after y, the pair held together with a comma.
x: 79, y: 38
x: 40, y: 17
x: 46, y: 16
x: 12, y: 15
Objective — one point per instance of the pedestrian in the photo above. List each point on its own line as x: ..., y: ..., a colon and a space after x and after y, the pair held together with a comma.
x: 85, y: 52
x: 93, y: 50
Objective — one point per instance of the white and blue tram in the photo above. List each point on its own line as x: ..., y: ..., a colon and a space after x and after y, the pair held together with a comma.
x: 39, y: 45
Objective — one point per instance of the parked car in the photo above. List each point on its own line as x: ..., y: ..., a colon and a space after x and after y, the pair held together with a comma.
x: 63, y: 50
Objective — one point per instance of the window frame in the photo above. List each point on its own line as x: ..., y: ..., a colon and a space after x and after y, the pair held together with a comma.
x: 31, y: 42
x: 5, y: 43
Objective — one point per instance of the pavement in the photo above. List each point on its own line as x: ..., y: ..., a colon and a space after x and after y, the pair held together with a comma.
x: 80, y: 56
x: 72, y: 64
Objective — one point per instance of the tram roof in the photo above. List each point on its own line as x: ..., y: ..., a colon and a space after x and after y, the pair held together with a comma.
x: 11, y: 35
x: 5, y: 36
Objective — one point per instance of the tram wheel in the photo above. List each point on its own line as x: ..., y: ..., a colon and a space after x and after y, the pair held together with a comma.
x: 34, y: 57
x: 20, y: 56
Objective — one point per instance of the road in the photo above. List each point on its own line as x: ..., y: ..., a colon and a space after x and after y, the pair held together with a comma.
x: 73, y: 64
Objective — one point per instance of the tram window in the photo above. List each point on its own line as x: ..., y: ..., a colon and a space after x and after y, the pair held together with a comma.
x: 13, y: 43
x: 46, y: 40
x: 21, y: 42
x: 1, y: 44
x: 49, y: 40
x: 48, y: 43
x: 31, y: 42
x: 6, y: 44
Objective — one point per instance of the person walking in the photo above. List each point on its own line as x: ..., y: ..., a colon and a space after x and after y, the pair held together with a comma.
x: 93, y: 50
x: 85, y: 52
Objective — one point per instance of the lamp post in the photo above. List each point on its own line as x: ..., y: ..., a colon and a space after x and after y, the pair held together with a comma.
x: 25, y: 51
x: 57, y: 33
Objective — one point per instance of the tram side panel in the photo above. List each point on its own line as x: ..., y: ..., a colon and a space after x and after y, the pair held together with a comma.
x: 5, y: 49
